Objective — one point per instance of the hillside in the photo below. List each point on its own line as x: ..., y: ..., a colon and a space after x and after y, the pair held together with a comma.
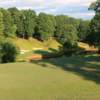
x: 87, y: 47
x: 32, y: 44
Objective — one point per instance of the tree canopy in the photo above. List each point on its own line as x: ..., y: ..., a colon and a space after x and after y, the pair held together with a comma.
x: 95, y: 6
x: 45, y: 26
x: 1, y: 24
x: 94, y: 36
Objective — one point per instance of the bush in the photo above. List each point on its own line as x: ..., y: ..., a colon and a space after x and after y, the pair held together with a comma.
x: 8, y: 52
x: 70, y: 49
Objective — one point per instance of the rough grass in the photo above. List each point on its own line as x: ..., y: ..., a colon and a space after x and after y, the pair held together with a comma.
x: 75, y: 78
x: 24, y: 44
x: 87, y: 47
x: 35, y: 47
x: 30, y: 44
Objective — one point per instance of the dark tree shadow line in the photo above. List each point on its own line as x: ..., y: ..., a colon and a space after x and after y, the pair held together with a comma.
x: 87, y: 67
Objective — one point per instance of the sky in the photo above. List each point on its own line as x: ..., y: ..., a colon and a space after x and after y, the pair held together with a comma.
x: 73, y: 8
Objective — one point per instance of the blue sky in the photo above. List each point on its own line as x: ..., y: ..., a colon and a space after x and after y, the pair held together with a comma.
x: 74, y: 8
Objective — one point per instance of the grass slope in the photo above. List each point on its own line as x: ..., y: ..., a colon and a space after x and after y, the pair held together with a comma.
x: 33, y: 46
x: 76, y: 78
x: 24, y: 44
x: 30, y: 44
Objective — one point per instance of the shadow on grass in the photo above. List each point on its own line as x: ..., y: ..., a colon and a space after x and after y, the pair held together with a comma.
x: 42, y: 52
x: 86, y: 67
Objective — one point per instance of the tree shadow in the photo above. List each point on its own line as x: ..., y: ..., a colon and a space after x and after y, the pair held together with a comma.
x: 86, y: 67
x: 53, y: 50
x: 42, y: 52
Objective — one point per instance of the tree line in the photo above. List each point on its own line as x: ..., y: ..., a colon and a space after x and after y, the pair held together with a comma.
x: 26, y: 24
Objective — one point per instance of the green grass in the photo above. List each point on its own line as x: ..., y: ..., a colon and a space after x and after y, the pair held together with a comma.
x: 74, y: 78
x: 24, y: 44
x: 35, y: 47
x: 30, y: 44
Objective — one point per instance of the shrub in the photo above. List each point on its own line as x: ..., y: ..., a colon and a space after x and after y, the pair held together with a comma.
x: 70, y: 49
x: 8, y: 52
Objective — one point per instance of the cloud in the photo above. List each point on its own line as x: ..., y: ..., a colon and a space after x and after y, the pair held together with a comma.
x: 75, y: 8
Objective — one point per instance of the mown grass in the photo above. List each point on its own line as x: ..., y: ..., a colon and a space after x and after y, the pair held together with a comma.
x: 74, y: 78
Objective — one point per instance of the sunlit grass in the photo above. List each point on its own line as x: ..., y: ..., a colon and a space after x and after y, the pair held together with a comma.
x: 53, y: 79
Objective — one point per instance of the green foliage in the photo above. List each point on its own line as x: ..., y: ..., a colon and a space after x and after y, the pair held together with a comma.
x: 9, y: 27
x: 1, y: 23
x: 83, y: 30
x: 8, y: 52
x: 70, y: 49
x: 20, y: 26
x: 29, y: 22
x: 95, y: 6
x: 45, y: 26
x: 94, y: 36
x: 66, y: 34
x: 69, y: 34
x: 61, y: 21
x: 66, y: 29
x: 15, y: 15
x: 26, y: 23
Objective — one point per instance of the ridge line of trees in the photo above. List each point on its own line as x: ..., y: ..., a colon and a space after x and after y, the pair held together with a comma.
x: 26, y: 24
